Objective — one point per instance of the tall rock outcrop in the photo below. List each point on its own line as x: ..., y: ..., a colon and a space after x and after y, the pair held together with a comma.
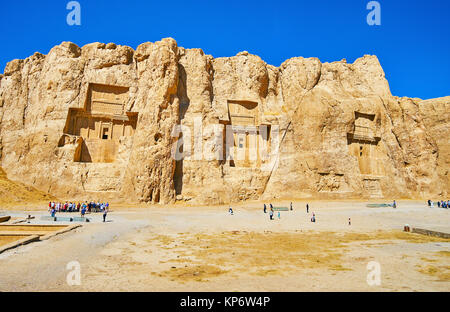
x: 164, y: 123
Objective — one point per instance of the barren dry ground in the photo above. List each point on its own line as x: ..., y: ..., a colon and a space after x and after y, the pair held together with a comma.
x: 176, y: 248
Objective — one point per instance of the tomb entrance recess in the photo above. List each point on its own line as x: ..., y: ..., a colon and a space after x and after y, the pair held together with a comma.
x: 100, y: 123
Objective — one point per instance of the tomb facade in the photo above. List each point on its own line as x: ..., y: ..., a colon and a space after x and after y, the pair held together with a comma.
x: 363, y: 143
x: 101, y: 123
x: 250, y: 138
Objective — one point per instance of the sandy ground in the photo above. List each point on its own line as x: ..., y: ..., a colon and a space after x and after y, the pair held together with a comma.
x: 174, y: 248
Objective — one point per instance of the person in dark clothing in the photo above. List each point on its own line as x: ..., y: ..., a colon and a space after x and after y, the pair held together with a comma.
x: 291, y: 207
x: 105, y: 212
x: 265, y: 208
x: 307, y: 208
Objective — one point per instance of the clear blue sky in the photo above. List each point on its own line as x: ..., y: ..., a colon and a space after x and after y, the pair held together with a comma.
x: 412, y: 43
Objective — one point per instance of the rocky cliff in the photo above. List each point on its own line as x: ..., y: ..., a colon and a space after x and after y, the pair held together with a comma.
x: 108, y: 122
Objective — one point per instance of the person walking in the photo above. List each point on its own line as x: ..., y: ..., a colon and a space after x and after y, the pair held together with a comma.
x: 265, y: 208
x: 307, y: 208
x: 105, y: 212
x: 291, y: 207
x: 271, y: 214
x: 230, y: 210
x: 394, y: 204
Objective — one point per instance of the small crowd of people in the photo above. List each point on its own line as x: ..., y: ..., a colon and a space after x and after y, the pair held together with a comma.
x: 271, y: 212
x: 54, y: 207
x: 440, y: 204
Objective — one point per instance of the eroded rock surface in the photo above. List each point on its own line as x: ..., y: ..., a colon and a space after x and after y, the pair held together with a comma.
x: 103, y: 122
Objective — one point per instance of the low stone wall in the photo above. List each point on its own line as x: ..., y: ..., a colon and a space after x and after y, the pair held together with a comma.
x: 19, y: 242
x: 31, y: 233
x: 4, y: 219
x: 430, y: 233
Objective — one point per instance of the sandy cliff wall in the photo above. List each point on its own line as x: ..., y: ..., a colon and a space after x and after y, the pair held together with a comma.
x: 101, y: 122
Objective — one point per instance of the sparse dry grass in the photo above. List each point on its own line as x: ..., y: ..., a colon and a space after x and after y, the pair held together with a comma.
x: 268, y: 253
x: 199, y: 273
x: 6, y: 239
x: 441, y: 272
x: 443, y: 253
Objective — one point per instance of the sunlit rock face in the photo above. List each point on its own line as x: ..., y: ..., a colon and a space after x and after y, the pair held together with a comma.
x: 106, y: 122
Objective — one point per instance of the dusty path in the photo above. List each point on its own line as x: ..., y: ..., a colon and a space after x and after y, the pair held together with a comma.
x: 42, y: 265
x: 205, y: 249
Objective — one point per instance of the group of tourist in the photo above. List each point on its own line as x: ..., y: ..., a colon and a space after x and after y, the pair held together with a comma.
x: 54, y: 207
x: 271, y: 212
x: 77, y: 207
x: 440, y: 204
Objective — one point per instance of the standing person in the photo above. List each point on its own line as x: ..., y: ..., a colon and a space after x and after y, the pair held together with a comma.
x: 394, y: 204
x: 313, y: 218
x: 271, y: 214
x: 429, y: 203
x: 230, y: 210
x: 83, y: 211
x: 439, y: 204
x: 279, y: 215
x: 291, y: 207
x: 307, y: 208
x: 53, y: 212
x: 49, y: 206
x: 349, y: 221
x: 105, y: 212
x: 265, y: 208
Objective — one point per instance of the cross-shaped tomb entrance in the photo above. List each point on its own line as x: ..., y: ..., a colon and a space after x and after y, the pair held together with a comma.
x: 101, y: 124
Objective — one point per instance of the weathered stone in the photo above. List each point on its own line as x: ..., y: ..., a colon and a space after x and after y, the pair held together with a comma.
x: 98, y: 122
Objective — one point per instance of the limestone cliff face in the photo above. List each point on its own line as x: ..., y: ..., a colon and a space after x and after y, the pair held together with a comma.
x: 104, y: 122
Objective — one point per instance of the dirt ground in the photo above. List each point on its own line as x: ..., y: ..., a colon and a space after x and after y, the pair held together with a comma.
x: 176, y: 248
